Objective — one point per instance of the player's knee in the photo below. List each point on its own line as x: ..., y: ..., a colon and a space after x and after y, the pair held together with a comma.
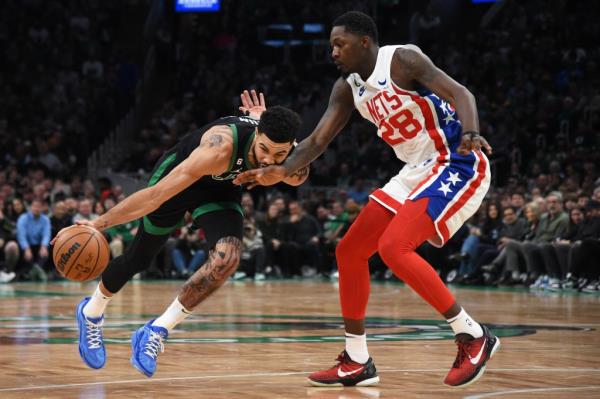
x: 225, y: 258
x: 348, y: 248
x: 392, y: 247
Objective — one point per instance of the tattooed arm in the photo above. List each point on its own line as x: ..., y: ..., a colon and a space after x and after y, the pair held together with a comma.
x: 210, y: 158
x: 298, y: 177
x: 222, y: 262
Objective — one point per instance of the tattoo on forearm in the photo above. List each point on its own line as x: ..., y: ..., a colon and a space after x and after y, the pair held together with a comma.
x: 222, y: 262
x: 303, y: 154
x: 300, y: 173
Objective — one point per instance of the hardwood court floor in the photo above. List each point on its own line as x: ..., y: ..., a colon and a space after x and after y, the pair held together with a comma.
x: 261, y: 340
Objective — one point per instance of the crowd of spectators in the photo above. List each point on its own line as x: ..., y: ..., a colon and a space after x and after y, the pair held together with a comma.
x: 64, y: 83
x: 535, y: 82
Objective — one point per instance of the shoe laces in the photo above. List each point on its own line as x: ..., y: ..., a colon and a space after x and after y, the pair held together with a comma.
x: 94, y: 334
x: 154, y: 344
x: 341, y: 359
x: 462, y: 353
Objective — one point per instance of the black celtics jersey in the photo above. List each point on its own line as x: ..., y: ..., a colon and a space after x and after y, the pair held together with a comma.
x: 243, y: 129
x: 209, y: 193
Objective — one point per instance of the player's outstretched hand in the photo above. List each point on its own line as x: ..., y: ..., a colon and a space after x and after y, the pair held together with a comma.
x: 266, y: 176
x: 473, y: 141
x: 252, y: 105
x: 82, y: 222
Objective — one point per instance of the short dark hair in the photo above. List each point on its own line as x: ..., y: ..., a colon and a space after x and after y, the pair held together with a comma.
x: 510, y: 208
x: 280, y: 124
x: 358, y: 23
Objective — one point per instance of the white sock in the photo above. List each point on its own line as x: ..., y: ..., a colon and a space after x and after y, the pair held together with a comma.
x: 96, y: 305
x: 356, y: 347
x: 174, y: 315
x: 464, y: 324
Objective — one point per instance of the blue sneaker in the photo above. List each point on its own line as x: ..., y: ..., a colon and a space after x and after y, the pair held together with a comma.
x: 145, y: 344
x: 91, y: 345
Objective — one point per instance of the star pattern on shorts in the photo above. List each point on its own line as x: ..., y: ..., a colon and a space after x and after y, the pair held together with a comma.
x: 449, y: 118
x: 445, y: 188
x: 444, y: 107
x: 453, y: 178
x: 448, y: 112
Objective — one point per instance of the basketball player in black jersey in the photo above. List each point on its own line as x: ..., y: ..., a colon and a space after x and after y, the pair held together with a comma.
x: 194, y: 176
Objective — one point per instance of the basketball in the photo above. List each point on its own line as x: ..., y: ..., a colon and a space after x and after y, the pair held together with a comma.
x: 81, y: 253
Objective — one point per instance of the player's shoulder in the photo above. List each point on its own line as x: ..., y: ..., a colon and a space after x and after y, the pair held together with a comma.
x: 405, y: 50
x: 218, y: 137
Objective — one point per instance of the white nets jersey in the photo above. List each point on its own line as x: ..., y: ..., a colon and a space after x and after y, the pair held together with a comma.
x: 424, y: 131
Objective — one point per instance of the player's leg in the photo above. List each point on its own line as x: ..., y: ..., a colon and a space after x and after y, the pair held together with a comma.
x: 90, y: 311
x: 408, y: 229
x: 223, y: 230
x: 355, y: 367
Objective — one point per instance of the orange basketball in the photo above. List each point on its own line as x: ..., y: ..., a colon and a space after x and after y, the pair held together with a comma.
x: 81, y: 253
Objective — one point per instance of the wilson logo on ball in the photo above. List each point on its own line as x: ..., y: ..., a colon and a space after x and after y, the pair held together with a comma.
x: 64, y: 258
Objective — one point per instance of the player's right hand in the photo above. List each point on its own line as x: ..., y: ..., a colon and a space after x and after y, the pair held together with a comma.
x: 473, y: 141
x: 81, y: 222
x: 266, y: 176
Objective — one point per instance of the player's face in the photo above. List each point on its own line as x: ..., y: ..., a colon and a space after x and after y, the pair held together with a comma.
x: 346, y: 49
x: 267, y: 152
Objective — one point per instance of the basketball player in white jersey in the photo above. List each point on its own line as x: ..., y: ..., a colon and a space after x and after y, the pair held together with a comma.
x: 431, y: 123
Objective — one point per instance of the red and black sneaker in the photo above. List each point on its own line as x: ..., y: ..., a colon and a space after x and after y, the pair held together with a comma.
x: 346, y: 373
x: 471, y: 359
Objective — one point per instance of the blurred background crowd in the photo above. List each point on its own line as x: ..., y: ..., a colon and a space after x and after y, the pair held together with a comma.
x: 71, y: 76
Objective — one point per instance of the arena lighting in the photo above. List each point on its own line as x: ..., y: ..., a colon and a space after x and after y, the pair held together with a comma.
x: 197, y: 5
x: 313, y: 28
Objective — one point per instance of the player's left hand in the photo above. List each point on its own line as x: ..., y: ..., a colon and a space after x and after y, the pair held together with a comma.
x: 266, y: 176
x: 472, y: 141
x: 252, y: 105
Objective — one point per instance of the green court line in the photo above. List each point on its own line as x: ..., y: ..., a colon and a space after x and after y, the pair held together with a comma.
x: 27, y: 293
x: 405, y: 336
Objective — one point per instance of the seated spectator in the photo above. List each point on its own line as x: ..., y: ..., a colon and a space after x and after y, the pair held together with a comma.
x: 508, y: 260
x: 359, y: 192
x: 553, y: 226
x: 584, y: 250
x: 33, y: 233
x: 120, y: 236
x: 517, y: 202
x: 189, y: 252
x: 272, y: 231
x: 84, y: 211
x: 60, y: 218
x: 8, y: 247
x: 513, y: 229
x: 557, y: 265
x: 252, y: 258
x: 250, y: 211
x: 481, y: 237
x: 300, y: 246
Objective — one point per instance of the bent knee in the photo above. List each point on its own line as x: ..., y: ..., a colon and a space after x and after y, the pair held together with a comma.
x: 350, y: 248
x: 226, y: 254
x: 389, y: 247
